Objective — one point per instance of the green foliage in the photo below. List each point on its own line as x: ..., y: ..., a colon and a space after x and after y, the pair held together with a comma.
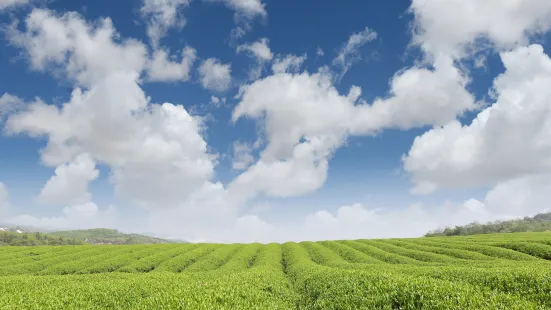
x: 483, y: 248
x: 243, y: 259
x: 538, y: 223
x: 349, y: 254
x: 182, y: 261
x: 33, y: 239
x: 504, y: 271
x: 530, y: 248
x: 382, y: 255
x: 457, y: 253
x: 151, y: 262
x: 415, y: 254
x: 215, y: 259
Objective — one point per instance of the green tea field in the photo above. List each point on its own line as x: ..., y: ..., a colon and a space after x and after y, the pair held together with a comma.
x: 502, y: 271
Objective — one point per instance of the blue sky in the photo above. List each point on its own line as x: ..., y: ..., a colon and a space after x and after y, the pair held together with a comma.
x: 185, y: 118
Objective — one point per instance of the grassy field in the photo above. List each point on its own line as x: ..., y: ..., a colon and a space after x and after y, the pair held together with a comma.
x: 503, y: 271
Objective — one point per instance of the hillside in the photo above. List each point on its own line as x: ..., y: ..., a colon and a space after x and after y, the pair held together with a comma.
x: 108, y: 236
x: 23, y: 238
x: 20, y: 236
x: 538, y: 223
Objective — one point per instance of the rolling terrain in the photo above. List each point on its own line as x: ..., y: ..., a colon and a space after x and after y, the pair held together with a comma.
x: 499, y: 271
x: 30, y: 237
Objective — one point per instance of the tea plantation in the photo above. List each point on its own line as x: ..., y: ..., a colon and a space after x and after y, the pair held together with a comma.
x: 501, y: 271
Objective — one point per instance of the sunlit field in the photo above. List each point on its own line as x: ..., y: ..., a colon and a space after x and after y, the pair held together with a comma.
x: 505, y: 271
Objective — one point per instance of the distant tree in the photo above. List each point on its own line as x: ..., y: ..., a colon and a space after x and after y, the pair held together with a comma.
x: 540, y: 222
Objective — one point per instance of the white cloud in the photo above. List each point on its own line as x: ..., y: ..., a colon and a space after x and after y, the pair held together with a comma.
x: 258, y: 49
x: 293, y: 107
x: 69, y: 185
x: 156, y: 153
x: 521, y: 196
x: 452, y: 28
x: 159, y: 159
x: 319, y: 52
x: 347, y: 222
x: 302, y: 172
x: 163, y: 15
x: 163, y: 69
x: 4, y: 199
x: 420, y: 96
x: 9, y: 104
x: 350, y: 51
x: 206, y: 214
x: 246, y: 8
x: 289, y: 63
x: 83, y: 216
x: 214, y: 75
x: 261, y: 51
x: 507, y: 140
x: 6, y: 4
x: 305, y: 120
x: 242, y: 156
x: 85, y: 53
x: 217, y: 102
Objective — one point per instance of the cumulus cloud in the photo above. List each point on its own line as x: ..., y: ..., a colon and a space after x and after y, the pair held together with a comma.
x: 457, y: 27
x: 205, y: 215
x: 288, y: 63
x: 158, y: 158
x: 505, y: 141
x: 162, y: 15
x: 509, y: 139
x: 521, y: 196
x: 161, y: 68
x: 86, y: 53
x: 306, y: 119
x: 214, y: 75
x: 156, y: 152
x: 242, y: 156
x: 350, y: 51
x: 9, y: 104
x: 69, y: 185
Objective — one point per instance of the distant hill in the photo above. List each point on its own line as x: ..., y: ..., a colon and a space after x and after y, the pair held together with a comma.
x: 108, y: 236
x: 538, y: 223
x: 18, y: 237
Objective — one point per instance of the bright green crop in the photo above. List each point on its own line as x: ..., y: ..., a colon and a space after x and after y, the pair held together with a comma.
x: 508, y: 271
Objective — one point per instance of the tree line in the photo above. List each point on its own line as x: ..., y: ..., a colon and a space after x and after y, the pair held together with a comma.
x: 538, y: 223
x: 32, y: 239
